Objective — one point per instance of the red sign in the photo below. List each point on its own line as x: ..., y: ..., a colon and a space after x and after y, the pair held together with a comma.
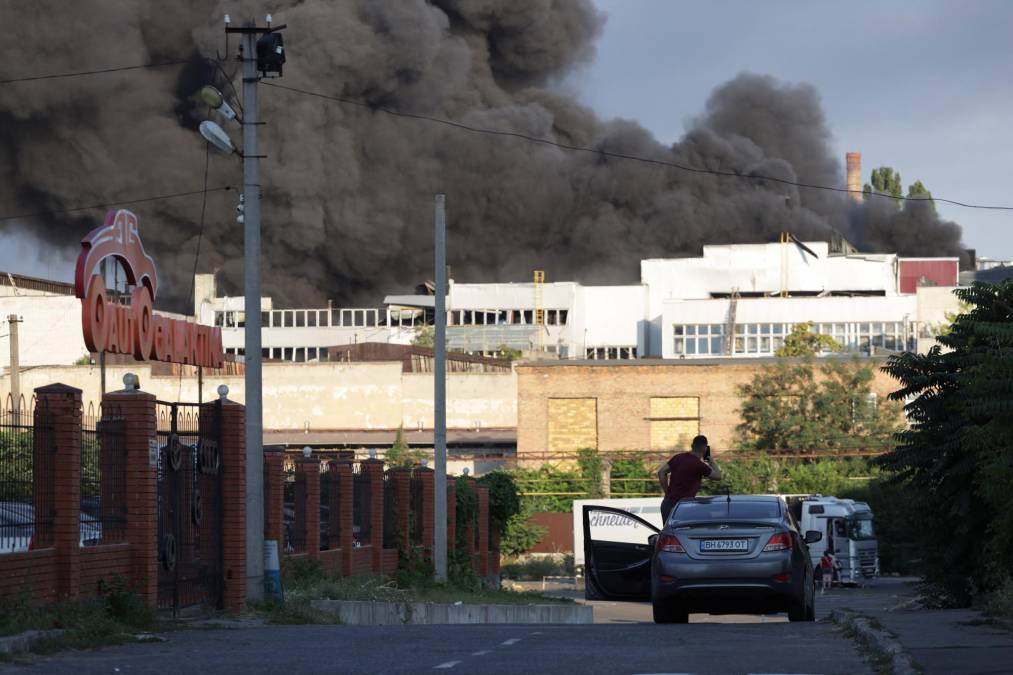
x: 134, y: 328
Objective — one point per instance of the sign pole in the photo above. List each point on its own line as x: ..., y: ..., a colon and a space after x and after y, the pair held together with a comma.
x: 440, y: 397
x: 252, y: 353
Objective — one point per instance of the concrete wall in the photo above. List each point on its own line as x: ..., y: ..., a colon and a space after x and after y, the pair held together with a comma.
x: 50, y: 331
x: 318, y: 395
x: 624, y: 390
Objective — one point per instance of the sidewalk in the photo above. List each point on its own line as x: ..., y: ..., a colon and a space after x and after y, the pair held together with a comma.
x: 939, y: 641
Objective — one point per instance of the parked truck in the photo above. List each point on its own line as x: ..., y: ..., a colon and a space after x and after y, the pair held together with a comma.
x: 848, y: 531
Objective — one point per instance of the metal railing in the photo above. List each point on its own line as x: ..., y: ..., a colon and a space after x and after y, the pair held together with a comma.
x: 103, y: 480
x: 416, y: 523
x: 362, y: 525
x: 27, y: 461
x: 390, y: 511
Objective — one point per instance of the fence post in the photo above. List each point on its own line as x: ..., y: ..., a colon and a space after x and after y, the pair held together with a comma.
x: 307, y: 504
x: 343, y: 478
x: 333, y: 506
x: 403, y: 499
x: 374, y: 469
x: 233, y: 463
x: 427, y: 534
x: 451, y: 516
x: 274, y: 497
x: 137, y: 409
x: 483, y: 531
x: 58, y: 410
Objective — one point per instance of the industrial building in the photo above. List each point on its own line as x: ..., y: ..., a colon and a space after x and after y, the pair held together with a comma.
x: 736, y: 300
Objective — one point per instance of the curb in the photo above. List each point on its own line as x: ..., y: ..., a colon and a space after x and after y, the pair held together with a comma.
x: 372, y: 613
x: 878, y: 640
x: 23, y: 642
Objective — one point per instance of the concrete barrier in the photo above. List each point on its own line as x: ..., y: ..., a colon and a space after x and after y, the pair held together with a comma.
x: 370, y: 613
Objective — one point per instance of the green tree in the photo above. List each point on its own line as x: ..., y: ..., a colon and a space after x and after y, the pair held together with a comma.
x: 400, y: 455
x: 793, y: 405
x: 505, y: 352
x: 802, y: 341
x: 885, y: 181
x: 918, y: 189
x: 425, y: 337
x: 956, y: 459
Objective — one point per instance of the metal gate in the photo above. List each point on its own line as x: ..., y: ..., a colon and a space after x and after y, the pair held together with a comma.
x: 189, y: 505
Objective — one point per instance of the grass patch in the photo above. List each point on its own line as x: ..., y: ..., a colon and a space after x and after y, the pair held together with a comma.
x: 880, y: 662
x: 534, y: 568
x: 304, y: 580
x: 115, y: 617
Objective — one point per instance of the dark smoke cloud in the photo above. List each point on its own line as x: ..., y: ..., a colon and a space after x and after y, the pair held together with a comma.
x: 348, y: 192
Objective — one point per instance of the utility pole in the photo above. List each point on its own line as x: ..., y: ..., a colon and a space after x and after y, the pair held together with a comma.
x: 13, y: 320
x: 252, y: 63
x: 440, y: 396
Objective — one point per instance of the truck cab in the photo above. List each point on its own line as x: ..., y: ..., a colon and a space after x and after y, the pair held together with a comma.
x: 849, y: 534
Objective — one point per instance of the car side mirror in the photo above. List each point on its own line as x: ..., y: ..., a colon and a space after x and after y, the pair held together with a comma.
x: 813, y: 536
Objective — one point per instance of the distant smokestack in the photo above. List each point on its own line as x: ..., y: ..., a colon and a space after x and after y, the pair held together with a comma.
x: 855, y: 176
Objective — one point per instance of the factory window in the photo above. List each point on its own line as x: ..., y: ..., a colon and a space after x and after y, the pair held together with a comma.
x: 529, y: 317
x: 311, y: 319
x: 699, y: 339
x: 610, y: 353
x: 265, y: 353
x: 286, y: 354
x: 311, y: 353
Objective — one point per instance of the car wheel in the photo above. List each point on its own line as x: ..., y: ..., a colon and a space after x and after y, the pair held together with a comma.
x: 798, y: 609
x: 669, y: 612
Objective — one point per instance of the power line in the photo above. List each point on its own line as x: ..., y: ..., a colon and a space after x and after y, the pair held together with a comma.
x: 174, y: 195
x: 200, y: 237
x: 80, y: 73
x: 618, y: 155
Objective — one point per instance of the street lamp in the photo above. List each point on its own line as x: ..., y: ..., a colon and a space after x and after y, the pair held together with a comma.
x: 217, y: 137
x: 216, y: 101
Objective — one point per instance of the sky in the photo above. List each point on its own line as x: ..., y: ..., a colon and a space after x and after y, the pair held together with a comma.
x: 920, y: 86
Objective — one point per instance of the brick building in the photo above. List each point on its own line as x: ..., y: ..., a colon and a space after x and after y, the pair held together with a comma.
x: 635, y: 405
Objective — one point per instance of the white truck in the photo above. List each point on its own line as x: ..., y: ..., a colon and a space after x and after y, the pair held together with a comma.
x: 847, y: 528
x: 848, y: 532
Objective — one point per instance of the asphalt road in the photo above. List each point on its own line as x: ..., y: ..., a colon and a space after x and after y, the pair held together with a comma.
x: 612, y: 648
x: 623, y: 640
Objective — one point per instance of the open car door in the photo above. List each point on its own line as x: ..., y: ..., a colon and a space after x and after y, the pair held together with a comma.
x: 618, y: 547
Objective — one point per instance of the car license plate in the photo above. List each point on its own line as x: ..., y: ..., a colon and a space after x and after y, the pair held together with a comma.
x: 720, y: 545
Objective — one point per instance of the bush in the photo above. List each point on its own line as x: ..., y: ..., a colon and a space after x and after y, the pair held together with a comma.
x: 520, y: 536
x: 504, y: 502
x: 533, y: 568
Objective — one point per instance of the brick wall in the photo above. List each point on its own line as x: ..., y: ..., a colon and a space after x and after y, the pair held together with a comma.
x: 103, y: 564
x: 623, y: 395
x: 30, y: 575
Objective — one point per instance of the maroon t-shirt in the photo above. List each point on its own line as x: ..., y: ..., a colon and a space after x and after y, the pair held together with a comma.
x: 687, y: 470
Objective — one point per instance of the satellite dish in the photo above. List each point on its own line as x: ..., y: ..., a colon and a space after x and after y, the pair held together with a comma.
x: 216, y: 136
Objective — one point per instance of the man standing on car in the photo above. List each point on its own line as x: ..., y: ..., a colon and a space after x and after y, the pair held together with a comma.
x: 680, y: 476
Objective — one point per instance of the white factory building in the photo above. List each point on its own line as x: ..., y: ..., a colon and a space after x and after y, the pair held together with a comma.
x: 735, y: 300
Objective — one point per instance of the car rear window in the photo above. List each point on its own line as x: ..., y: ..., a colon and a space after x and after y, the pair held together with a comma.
x: 719, y: 509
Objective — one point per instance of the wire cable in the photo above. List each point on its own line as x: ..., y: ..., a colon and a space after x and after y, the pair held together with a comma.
x: 81, y: 73
x: 619, y: 155
x: 196, y: 255
x: 174, y: 195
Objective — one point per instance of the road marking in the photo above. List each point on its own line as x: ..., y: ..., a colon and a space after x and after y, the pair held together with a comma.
x: 448, y: 664
x: 507, y: 643
x: 537, y: 632
x: 481, y: 653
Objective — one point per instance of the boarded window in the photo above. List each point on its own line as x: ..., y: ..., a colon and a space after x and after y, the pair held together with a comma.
x: 573, y: 424
x: 675, y: 420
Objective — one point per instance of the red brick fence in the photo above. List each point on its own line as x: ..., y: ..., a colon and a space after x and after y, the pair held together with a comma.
x: 371, y: 515
x: 80, y: 506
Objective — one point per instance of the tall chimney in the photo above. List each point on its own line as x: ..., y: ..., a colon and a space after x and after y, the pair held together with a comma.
x: 855, y: 176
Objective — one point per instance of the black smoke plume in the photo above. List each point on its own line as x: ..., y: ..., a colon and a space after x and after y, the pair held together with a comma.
x: 348, y: 190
